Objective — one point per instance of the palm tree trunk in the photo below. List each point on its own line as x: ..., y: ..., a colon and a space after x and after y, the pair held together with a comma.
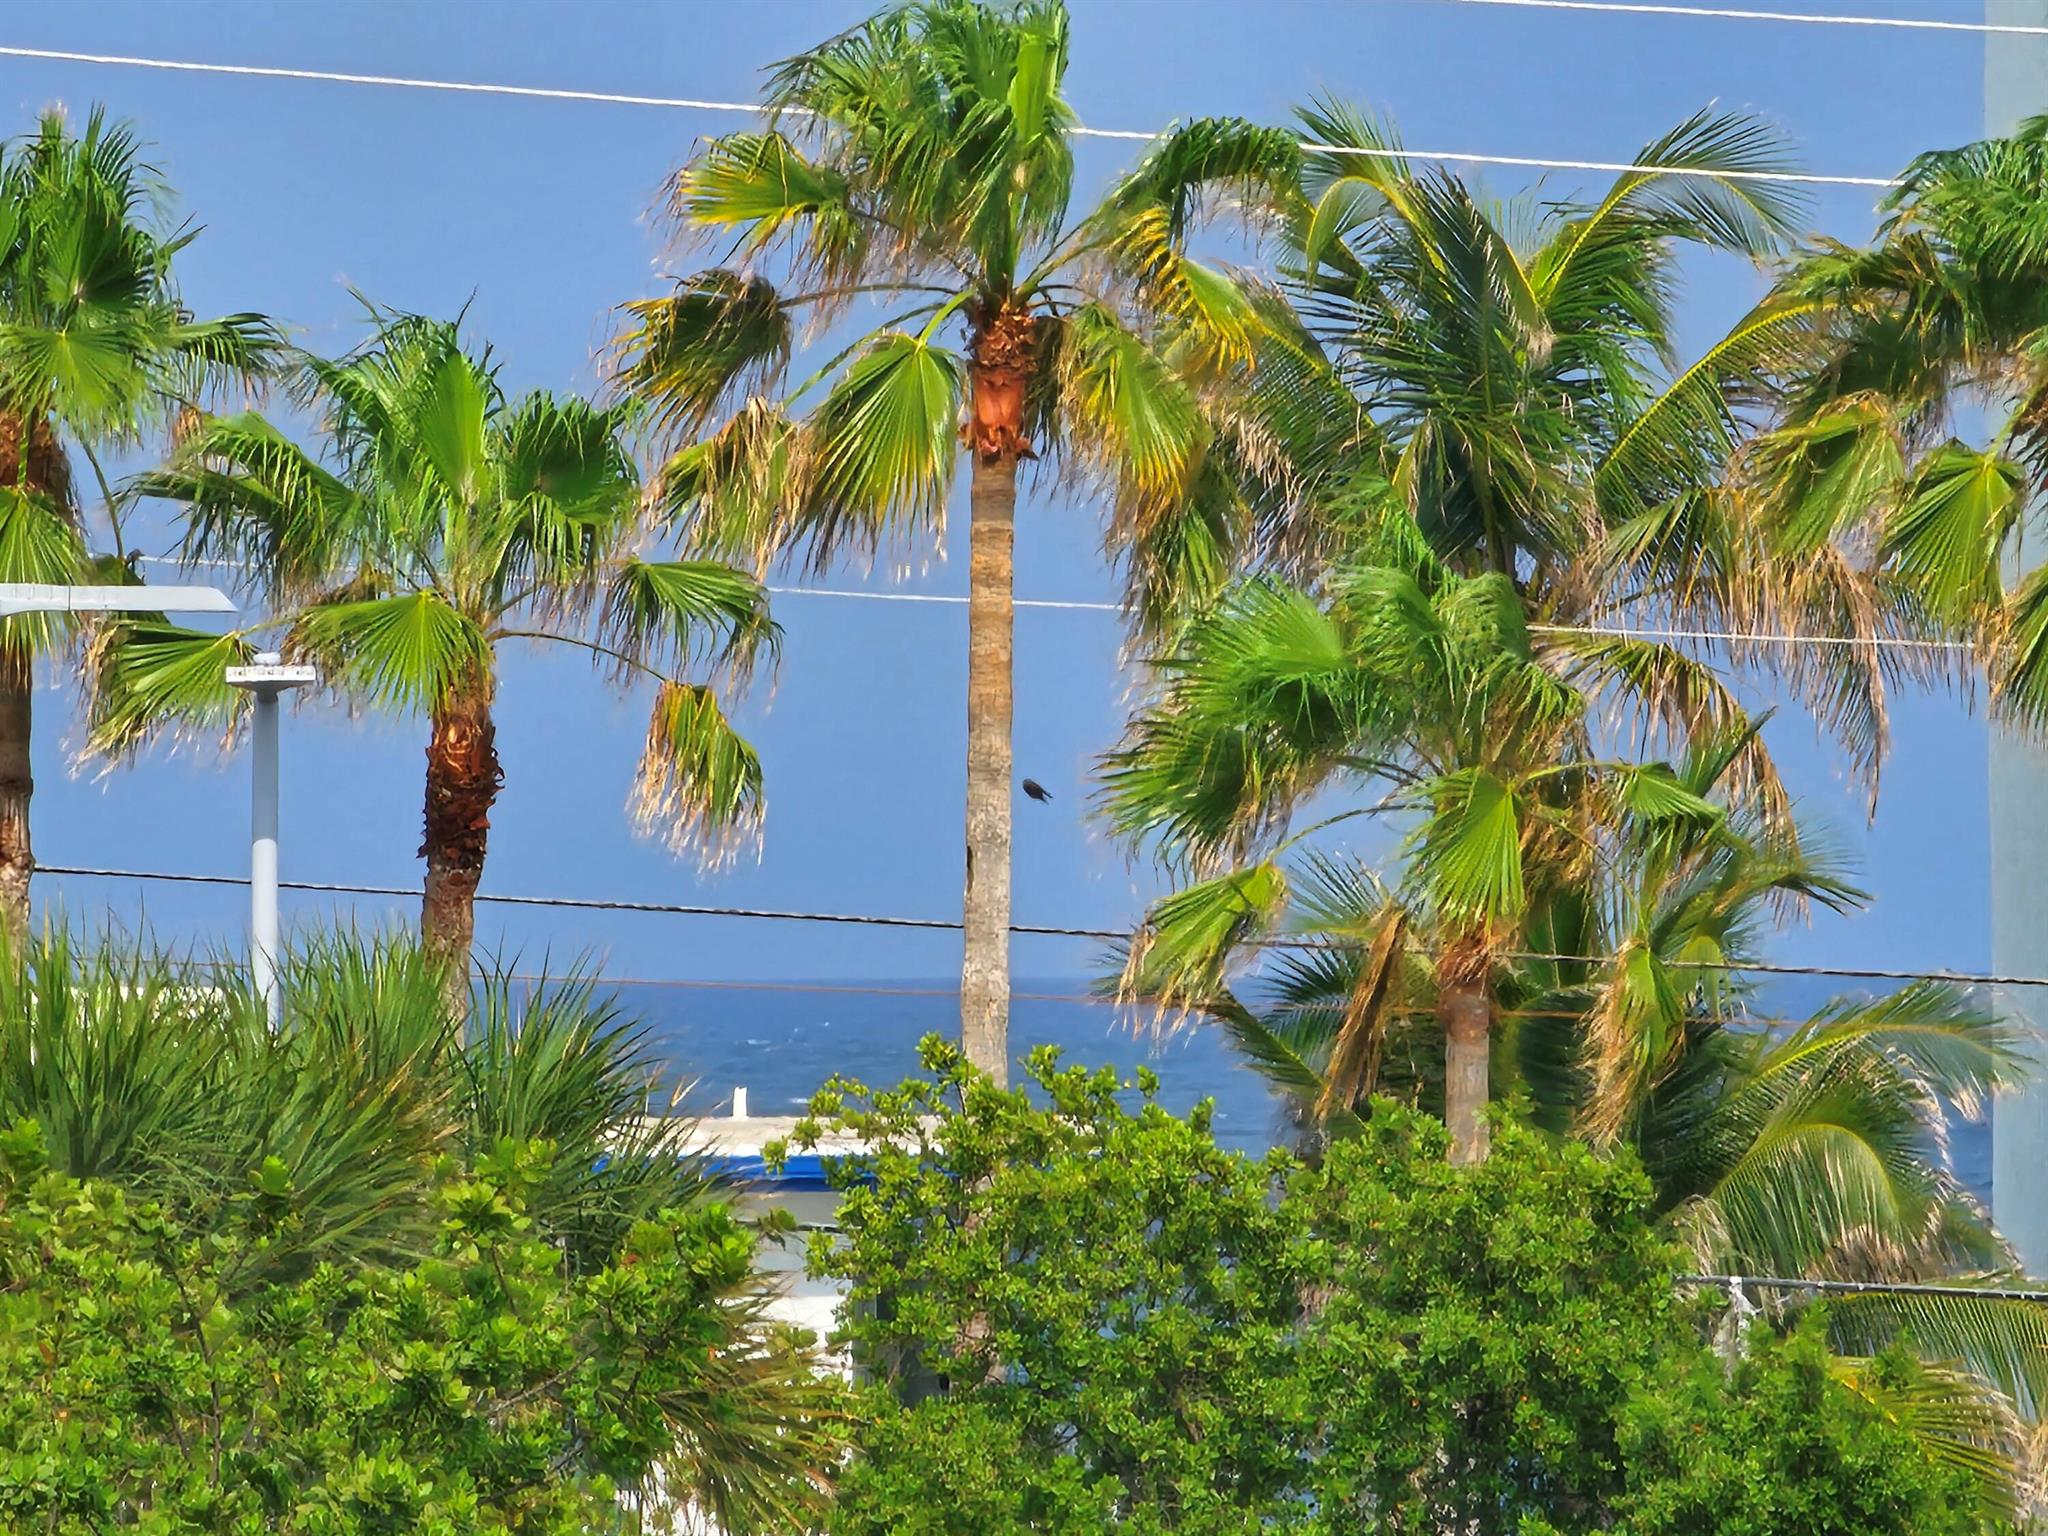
x: 463, y: 779
x: 17, y: 856
x: 985, y: 912
x: 32, y: 457
x: 1466, y: 1012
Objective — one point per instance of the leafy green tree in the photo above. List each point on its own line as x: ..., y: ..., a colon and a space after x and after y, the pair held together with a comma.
x: 483, y: 1389
x: 1190, y: 1341
x: 1786, y: 1448
x: 1783, y: 1147
x: 97, y: 352
x: 448, y: 523
x: 921, y: 164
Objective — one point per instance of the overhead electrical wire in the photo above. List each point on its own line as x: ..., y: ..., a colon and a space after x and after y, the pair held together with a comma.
x: 696, y: 104
x: 1597, y: 631
x: 953, y: 925
x: 1730, y: 13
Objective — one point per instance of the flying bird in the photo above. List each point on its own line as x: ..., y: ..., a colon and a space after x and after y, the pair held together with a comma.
x: 1036, y: 790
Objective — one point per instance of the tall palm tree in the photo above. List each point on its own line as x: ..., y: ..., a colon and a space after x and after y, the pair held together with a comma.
x: 1941, y: 318
x: 922, y: 163
x: 448, y: 522
x: 96, y: 351
x: 1421, y: 683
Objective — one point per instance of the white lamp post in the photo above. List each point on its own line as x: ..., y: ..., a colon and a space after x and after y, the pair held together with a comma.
x: 37, y: 597
x: 265, y: 679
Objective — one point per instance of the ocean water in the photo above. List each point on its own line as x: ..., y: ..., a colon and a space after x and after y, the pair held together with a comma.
x: 781, y: 1045
x: 782, y: 1042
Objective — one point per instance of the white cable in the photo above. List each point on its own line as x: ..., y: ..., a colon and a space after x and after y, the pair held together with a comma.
x: 1720, y: 13
x: 1377, y: 152
x: 1731, y: 637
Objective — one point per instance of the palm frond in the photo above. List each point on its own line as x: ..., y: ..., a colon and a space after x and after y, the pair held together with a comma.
x: 150, y: 677
x: 684, y: 357
x: 699, y: 782
x: 405, y: 654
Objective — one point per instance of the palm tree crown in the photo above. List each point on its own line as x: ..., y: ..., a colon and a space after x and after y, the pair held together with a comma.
x: 1947, y: 307
x: 96, y: 352
x: 448, y: 521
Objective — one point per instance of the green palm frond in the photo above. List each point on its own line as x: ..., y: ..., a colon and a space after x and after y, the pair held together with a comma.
x: 1946, y: 535
x: 565, y: 496
x: 253, y: 496
x: 2019, y: 663
x: 666, y: 614
x: 1998, y: 1340
x: 684, y: 356
x: 39, y: 543
x: 1466, y: 856
x: 762, y: 189
x: 699, y: 782
x: 730, y: 495
x: 1950, y: 1416
x: 1183, y: 954
x: 406, y: 654
x: 94, y: 336
x: 152, y: 677
x: 1684, y: 437
x: 884, y: 445
x: 1128, y: 416
x: 1255, y: 708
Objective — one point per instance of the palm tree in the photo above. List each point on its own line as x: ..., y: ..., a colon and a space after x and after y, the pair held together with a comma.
x: 96, y: 351
x: 1943, y: 315
x: 1506, y: 377
x: 1418, y: 681
x: 448, y: 522
x: 922, y: 163
x: 1811, y: 1147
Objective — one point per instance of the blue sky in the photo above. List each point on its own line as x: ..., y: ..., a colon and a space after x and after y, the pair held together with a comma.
x: 536, y: 214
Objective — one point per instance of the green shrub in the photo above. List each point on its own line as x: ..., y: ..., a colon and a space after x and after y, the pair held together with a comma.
x: 484, y: 1389
x: 1085, y: 1318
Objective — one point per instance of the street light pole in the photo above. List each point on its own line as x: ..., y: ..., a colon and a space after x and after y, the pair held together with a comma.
x: 24, y: 597
x: 266, y: 679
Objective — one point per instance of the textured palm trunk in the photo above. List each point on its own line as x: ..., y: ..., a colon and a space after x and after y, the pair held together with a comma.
x: 985, y: 910
x: 1465, y: 1009
x: 1003, y: 358
x: 17, y: 856
x: 30, y: 457
x: 463, y: 779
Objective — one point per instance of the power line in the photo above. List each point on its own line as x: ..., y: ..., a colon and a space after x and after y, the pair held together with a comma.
x: 1863, y: 1287
x: 579, y: 903
x: 953, y: 925
x: 1721, y: 13
x: 1596, y: 631
x: 616, y: 98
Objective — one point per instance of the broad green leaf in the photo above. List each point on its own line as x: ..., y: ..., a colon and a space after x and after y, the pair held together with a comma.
x: 151, y: 677
x: 407, y: 653
x: 1947, y: 532
x: 884, y: 442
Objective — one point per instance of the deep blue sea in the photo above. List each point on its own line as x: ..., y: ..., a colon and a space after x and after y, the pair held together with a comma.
x: 781, y: 1043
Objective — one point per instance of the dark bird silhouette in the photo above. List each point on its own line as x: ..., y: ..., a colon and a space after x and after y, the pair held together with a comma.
x: 1036, y: 790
